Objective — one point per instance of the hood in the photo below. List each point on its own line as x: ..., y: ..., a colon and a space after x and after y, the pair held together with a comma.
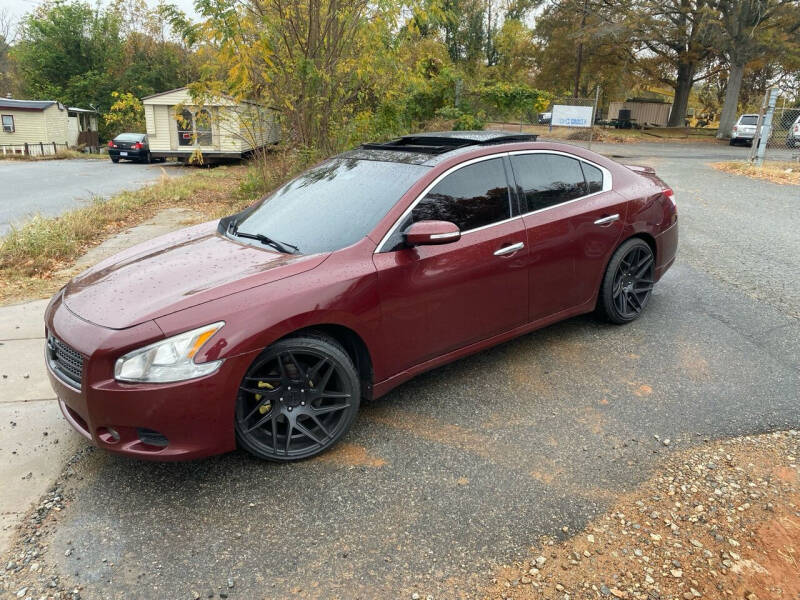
x: 175, y: 272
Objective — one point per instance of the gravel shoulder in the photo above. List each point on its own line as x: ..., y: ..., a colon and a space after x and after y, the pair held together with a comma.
x: 721, y: 520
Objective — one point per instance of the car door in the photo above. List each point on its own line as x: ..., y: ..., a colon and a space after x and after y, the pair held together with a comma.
x: 573, y: 219
x: 435, y: 299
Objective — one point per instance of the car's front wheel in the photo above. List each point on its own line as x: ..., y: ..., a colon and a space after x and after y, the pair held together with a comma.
x: 298, y: 398
x: 628, y: 282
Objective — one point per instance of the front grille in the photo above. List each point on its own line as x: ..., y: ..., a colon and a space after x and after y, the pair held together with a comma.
x: 65, y: 361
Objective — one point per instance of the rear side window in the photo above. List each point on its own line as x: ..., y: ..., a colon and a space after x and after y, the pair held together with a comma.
x: 593, y: 176
x: 548, y: 179
x: 748, y: 120
x: 473, y: 196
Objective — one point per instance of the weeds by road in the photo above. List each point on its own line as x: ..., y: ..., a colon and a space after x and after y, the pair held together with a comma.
x: 718, y: 521
x: 59, y: 155
x: 31, y: 256
x: 776, y: 172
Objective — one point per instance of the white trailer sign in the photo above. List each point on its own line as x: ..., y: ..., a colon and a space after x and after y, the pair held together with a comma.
x: 572, y: 116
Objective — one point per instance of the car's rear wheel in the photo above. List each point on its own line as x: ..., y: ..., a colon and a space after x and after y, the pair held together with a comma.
x: 114, y: 160
x: 297, y: 399
x: 628, y: 282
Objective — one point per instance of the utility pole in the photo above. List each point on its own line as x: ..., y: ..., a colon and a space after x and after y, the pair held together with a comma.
x: 579, y: 65
x: 764, y: 126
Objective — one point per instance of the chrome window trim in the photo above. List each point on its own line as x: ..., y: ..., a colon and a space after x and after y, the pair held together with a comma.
x: 607, y: 186
x: 430, y: 186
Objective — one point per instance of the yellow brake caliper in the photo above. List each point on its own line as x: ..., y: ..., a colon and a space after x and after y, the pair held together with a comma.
x: 264, y: 408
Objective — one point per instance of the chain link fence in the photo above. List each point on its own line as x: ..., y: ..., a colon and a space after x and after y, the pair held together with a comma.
x: 782, y: 131
x: 541, y: 122
x: 784, y: 138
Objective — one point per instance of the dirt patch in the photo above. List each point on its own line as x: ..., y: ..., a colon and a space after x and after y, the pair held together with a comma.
x: 778, y: 172
x: 351, y: 455
x: 718, y: 521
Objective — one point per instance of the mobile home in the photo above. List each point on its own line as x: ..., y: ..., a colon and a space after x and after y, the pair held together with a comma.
x: 177, y: 126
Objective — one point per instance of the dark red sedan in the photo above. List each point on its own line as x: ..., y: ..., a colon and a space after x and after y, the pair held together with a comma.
x: 268, y: 328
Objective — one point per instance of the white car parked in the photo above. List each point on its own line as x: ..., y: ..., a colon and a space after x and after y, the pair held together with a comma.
x: 744, y: 130
x: 793, y: 137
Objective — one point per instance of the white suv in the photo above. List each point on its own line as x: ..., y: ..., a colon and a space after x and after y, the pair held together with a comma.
x: 744, y: 130
x: 793, y: 137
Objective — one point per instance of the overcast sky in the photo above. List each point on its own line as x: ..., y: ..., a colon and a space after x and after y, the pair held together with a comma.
x: 17, y: 8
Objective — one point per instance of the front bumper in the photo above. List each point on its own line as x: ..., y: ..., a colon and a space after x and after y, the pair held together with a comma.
x: 195, y: 418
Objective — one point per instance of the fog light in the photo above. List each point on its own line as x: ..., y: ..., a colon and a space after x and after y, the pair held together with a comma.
x: 152, y: 438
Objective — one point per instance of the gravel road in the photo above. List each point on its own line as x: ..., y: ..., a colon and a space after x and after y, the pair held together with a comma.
x: 51, y: 187
x: 463, y: 468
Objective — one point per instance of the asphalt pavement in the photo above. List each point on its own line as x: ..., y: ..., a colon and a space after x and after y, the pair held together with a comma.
x: 463, y: 468
x: 51, y: 187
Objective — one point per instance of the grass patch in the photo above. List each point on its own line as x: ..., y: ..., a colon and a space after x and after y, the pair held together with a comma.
x: 32, y: 255
x: 776, y: 172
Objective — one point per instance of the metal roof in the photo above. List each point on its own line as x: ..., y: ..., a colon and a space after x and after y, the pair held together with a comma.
x: 12, y: 103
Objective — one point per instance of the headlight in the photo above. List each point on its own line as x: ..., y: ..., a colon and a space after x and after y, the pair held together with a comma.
x: 168, y: 360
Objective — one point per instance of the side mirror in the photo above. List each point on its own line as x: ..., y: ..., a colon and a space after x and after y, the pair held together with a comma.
x: 427, y: 233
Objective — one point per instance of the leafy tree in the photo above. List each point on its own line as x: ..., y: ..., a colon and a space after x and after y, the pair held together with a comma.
x: 747, y: 30
x: 676, y: 37
x: 125, y: 114
x: 68, y: 51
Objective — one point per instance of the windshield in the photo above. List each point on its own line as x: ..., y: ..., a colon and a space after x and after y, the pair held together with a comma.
x: 331, y: 206
x: 748, y: 120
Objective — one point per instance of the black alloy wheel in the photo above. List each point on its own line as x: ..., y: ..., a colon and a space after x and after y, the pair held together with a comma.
x: 628, y: 282
x: 298, y: 398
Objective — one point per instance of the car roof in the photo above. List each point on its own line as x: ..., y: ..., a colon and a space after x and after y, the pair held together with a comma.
x: 431, y: 148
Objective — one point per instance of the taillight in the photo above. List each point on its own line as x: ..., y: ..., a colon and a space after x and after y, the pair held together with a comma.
x: 110, y: 144
x: 736, y: 128
x: 137, y: 146
x: 671, y: 195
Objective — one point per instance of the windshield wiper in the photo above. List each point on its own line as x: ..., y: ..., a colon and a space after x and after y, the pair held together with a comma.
x: 233, y: 229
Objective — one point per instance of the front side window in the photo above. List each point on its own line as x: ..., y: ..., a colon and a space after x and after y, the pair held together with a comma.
x: 332, y: 205
x: 471, y: 197
x: 8, y: 123
x: 548, y: 179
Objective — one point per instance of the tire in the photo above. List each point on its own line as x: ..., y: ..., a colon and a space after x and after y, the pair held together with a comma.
x: 628, y: 282
x: 297, y: 399
x: 148, y: 158
x: 114, y: 160
x: 732, y: 142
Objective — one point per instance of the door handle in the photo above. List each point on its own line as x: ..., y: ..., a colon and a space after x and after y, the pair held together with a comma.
x: 509, y: 249
x: 607, y: 220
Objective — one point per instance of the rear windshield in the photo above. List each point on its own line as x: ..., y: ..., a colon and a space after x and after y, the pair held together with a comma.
x: 129, y: 137
x: 748, y: 120
x: 331, y: 206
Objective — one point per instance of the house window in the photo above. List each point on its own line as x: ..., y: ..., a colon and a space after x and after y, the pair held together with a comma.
x: 185, y: 132
x: 8, y: 123
x: 202, y: 125
x: 194, y: 127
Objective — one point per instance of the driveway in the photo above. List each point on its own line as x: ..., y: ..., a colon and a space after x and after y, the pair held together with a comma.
x: 460, y: 470
x: 51, y: 187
